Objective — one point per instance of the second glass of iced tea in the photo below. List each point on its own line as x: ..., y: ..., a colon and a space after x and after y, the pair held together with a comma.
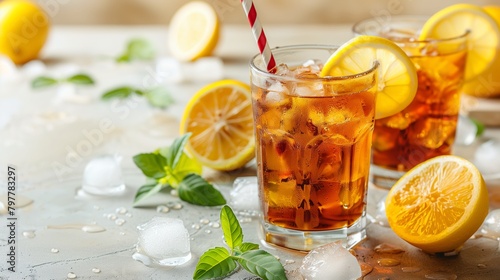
x: 313, y: 138
x: 426, y: 128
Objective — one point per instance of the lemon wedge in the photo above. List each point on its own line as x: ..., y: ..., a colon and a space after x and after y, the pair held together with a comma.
x: 484, y: 37
x: 193, y: 31
x: 438, y: 204
x: 397, y: 80
x: 219, y: 116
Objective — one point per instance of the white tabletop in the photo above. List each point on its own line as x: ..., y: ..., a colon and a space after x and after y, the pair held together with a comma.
x: 44, y: 128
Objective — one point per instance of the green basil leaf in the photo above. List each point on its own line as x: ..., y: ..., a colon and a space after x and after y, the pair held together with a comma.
x: 123, y: 58
x: 81, y: 79
x: 121, y: 92
x: 146, y: 191
x: 214, y: 263
x: 159, y: 97
x: 152, y: 165
x: 43, y: 82
x: 233, y: 234
x: 247, y: 246
x: 262, y: 264
x: 175, y: 151
x: 186, y: 166
x: 196, y: 190
x: 140, y: 49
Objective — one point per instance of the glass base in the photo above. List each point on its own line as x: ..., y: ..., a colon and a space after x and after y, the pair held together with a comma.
x: 308, y: 240
x: 384, y: 177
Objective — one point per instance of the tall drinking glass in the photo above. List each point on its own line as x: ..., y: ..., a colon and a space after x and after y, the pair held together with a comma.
x: 313, y: 137
x: 426, y: 128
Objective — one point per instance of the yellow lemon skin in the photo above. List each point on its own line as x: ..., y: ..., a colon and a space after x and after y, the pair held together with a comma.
x: 24, y: 28
x: 488, y: 83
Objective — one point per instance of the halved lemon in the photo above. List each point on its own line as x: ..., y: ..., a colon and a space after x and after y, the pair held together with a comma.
x: 193, y: 31
x: 398, y: 77
x: 438, y: 204
x: 484, y: 37
x: 219, y: 116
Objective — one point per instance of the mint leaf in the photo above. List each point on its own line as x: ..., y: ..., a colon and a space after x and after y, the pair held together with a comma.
x: 81, y: 79
x: 186, y: 166
x: 214, y: 263
x: 196, y: 190
x: 146, y: 191
x: 262, y: 264
x: 159, y: 97
x: 152, y: 165
x: 233, y: 234
x: 247, y: 246
x: 121, y: 92
x: 140, y: 49
x: 175, y: 151
x: 43, y: 82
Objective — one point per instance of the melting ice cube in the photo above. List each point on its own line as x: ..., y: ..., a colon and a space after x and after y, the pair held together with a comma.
x: 331, y: 261
x: 245, y: 195
x: 487, y: 159
x: 164, y: 241
x: 466, y: 131
x: 103, y: 176
x: 491, y: 225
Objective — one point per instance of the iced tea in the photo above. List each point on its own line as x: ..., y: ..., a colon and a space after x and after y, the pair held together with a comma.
x: 313, y: 138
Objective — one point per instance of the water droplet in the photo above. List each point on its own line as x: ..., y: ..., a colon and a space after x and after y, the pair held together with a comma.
x: 128, y: 215
x: 204, y: 221
x: 365, y: 268
x: 71, y: 275
x: 215, y: 225
x: 289, y: 261
x: 177, y: 206
x: 208, y: 231
x: 122, y: 233
x: 112, y: 217
x: 195, y: 226
x: 29, y: 234
x: 54, y: 250
x: 174, y: 192
x: 245, y: 220
x: 441, y: 276
x: 93, y: 228
x: 410, y: 269
x: 162, y: 209
x: 119, y: 222
x: 96, y: 270
x: 121, y: 210
x: 385, y: 248
x: 481, y: 265
x: 388, y: 262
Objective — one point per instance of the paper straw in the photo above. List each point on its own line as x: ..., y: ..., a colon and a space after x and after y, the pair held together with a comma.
x: 259, y: 35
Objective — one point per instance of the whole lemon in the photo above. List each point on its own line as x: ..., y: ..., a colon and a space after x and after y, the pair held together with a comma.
x: 24, y: 27
x: 488, y: 83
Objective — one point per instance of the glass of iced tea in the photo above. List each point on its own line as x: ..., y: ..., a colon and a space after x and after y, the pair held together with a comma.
x: 313, y: 138
x: 426, y: 128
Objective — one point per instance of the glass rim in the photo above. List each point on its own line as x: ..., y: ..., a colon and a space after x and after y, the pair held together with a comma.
x: 408, y: 18
x: 330, y: 48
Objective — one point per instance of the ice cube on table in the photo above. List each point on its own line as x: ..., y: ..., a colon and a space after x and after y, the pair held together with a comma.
x: 245, y: 195
x: 487, y: 159
x: 207, y: 69
x: 491, y: 225
x: 103, y: 176
x: 163, y: 241
x: 170, y: 70
x: 466, y: 131
x: 8, y: 70
x: 34, y: 68
x: 331, y: 261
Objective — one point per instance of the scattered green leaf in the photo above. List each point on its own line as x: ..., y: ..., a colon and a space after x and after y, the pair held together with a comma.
x: 159, y: 97
x: 219, y: 262
x: 152, y: 165
x: 121, y: 92
x: 214, y: 263
x: 81, y: 79
x: 137, y: 49
x: 480, y: 127
x: 43, y: 82
x: 147, y: 191
x: 196, y: 190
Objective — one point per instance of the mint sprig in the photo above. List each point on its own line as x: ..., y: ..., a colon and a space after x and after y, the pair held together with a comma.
x: 137, y: 49
x: 171, y: 167
x: 219, y: 262
x: 157, y: 97
x: 78, y: 79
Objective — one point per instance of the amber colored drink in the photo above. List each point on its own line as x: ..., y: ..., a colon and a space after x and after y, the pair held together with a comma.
x: 426, y: 128
x: 313, y: 138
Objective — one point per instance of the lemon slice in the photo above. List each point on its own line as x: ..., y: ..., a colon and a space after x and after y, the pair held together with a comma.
x: 398, y: 77
x: 219, y: 116
x: 484, y: 37
x: 194, y: 31
x: 438, y: 204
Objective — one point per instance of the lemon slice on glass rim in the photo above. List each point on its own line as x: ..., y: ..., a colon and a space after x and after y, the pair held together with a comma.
x: 219, y: 117
x: 397, y: 75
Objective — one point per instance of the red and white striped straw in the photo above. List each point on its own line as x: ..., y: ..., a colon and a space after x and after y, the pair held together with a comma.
x: 259, y: 35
